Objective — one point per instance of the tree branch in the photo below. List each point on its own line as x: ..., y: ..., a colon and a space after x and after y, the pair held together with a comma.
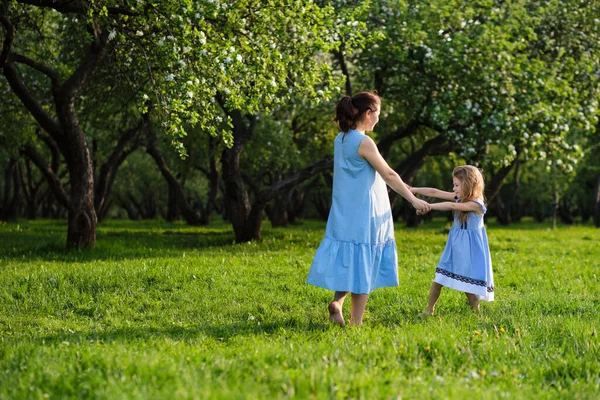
x: 286, y: 184
x: 386, y: 142
x: 36, y: 110
x: 49, y: 72
x: 86, y: 68
x: 52, y: 178
x: 75, y: 7
x: 8, y: 40
x: 339, y: 55
x: 54, y: 149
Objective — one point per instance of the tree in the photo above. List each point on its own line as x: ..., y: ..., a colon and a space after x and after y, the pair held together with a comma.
x: 179, y: 54
x: 482, y: 79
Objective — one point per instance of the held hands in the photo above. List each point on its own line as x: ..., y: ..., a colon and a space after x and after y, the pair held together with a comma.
x: 422, y: 207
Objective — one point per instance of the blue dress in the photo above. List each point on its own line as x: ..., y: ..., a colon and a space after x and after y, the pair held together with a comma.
x: 466, y: 264
x: 358, y: 253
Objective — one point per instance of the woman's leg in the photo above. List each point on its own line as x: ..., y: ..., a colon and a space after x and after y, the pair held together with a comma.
x: 359, y: 301
x: 473, y: 301
x: 434, y: 295
x: 335, y: 308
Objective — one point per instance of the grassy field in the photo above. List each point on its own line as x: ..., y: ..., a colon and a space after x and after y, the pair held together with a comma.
x: 162, y: 310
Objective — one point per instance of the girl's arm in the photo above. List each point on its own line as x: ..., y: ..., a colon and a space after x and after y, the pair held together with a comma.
x: 432, y: 192
x: 449, y: 206
x: 368, y: 150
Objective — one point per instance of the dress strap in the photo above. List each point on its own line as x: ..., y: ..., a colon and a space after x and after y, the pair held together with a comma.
x: 483, y: 207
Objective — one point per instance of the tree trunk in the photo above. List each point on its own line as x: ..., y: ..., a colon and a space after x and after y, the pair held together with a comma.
x: 188, y: 213
x: 236, y: 198
x: 10, y: 202
x: 31, y: 190
x: 126, y: 145
x: 172, y: 210
x: 7, y: 190
x: 82, y: 219
x: 277, y: 211
x: 597, y: 203
x: 213, y: 181
x: 504, y: 207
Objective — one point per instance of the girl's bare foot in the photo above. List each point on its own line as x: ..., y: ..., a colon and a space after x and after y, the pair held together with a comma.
x: 335, y: 314
x: 425, y: 314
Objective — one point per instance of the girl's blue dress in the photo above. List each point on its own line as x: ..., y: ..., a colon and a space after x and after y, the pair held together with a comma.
x: 466, y: 264
x: 358, y: 253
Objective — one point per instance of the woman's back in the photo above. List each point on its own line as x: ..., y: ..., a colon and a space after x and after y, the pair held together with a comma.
x: 360, y: 210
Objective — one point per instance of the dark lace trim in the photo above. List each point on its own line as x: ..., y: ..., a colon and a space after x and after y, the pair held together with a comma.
x: 464, y: 279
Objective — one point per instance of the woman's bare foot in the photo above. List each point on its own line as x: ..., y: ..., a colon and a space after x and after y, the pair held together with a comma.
x: 335, y: 313
x: 425, y: 314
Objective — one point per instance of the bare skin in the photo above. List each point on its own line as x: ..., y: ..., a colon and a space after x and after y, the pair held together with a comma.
x: 335, y: 308
x: 434, y: 294
x: 359, y: 301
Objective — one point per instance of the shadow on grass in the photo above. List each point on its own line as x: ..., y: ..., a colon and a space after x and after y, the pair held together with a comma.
x: 222, y: 333
x: 45, y: 240
x: 111, y: 245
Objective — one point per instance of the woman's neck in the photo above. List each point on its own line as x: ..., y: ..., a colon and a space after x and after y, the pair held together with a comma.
x: 360, y: 128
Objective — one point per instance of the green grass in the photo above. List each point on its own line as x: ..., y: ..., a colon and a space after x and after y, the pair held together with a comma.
x: 161, y: 310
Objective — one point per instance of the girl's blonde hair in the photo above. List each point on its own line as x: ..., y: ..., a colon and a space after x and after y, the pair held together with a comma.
x: 472, y: 187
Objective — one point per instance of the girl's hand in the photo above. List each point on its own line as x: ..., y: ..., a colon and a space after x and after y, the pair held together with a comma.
x: 412, y: 189
x: 422, y: 207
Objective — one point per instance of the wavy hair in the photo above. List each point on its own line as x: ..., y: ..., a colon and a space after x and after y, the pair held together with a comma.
x: 473, y: 186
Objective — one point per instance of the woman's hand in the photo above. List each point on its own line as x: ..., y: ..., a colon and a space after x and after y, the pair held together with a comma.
x: 421, y: 206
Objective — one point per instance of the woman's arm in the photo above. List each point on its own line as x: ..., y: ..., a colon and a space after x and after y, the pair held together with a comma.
x: 432, y: 192
x: 368, y: 150
x: 469, y: 206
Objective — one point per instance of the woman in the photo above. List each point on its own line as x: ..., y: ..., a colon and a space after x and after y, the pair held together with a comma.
x: 358, y: 253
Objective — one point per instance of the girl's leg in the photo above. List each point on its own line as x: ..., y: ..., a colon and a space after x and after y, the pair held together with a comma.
x: 335, y: 308
x: 359, y: 301
x: 473, y: 301
x: 434, y: 295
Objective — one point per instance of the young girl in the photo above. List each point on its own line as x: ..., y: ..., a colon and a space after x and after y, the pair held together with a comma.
x: 466, y: 264
x: 358, y: 253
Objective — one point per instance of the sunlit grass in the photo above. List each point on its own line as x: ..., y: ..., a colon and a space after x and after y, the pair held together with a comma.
x: 162, y: 310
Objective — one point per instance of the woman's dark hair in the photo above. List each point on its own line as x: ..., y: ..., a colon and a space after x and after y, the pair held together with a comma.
x: 350, y: 110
